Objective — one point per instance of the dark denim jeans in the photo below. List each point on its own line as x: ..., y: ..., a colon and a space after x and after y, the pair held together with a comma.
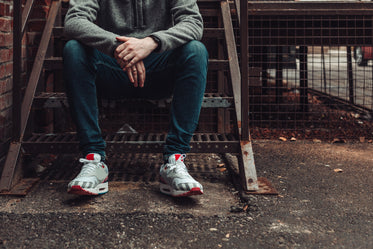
x: 180, y: 72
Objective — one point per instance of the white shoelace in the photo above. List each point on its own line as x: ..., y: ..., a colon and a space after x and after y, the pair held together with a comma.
x: 88, y: 167
x: 178, y: 169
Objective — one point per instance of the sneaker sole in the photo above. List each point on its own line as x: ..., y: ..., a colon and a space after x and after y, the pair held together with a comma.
x: 168, y: 190
x: 100, y: 189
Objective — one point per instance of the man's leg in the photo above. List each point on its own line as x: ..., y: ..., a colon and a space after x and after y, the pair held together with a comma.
x: 190, y: 70
x: 189, y: 87
x: 87, y: 72
x: 181, y: 73
x: 80, y: 75
x: 82, y: 65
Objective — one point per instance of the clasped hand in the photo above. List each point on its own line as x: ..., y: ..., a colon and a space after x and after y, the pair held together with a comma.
x: 130, y: 55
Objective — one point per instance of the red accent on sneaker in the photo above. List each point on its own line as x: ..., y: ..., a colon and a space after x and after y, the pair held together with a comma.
x: 193, y: 191
x: 90, y: 156
x: 177, y: 156
x: 78, y: 190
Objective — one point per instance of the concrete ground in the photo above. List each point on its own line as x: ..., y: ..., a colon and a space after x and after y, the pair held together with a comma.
x: 325, y: 201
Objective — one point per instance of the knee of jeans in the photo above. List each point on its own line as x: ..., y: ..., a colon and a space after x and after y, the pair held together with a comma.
x: 73, y: 49
x: 196, y: 50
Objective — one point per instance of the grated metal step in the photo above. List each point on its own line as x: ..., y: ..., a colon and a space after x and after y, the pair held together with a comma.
x: 135, y: 143
x: 58, y: 100
x: 137, y: 167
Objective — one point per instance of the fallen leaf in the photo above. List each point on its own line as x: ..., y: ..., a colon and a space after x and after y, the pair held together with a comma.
x: 338, y: 170
x: 282, y: 138
x: 221, y: 165
x: 362, y: 139
x: 12, y: 202
x: 370, y: 141
x: 293, y: 139
x: 245, y: 207
x: 316, y: 141
x: 222, y: 169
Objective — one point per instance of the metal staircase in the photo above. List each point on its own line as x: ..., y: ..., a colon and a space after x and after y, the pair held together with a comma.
x: 224, y: 63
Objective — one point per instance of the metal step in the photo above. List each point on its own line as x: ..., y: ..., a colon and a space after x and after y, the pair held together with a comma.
x: 131, y: 142
x: 56, y: 63
x: 58, y: 100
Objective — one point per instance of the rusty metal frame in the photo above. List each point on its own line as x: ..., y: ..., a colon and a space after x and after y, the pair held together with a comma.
x: 17, y: 70
x: 25, y: 14
x: 240, y: 89
x: 23, y: 111
x: 290, y: 8
x: 20, y: 19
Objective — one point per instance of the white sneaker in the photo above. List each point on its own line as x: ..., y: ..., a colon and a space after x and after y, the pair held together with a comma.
x: 175, y: 179
x: 92, y: 179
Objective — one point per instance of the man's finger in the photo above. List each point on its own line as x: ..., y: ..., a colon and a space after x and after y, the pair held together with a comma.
x: 135, y: 75
x: 126, y: 55
x: 119, y: 49
x: 130, y: 76
x: 141, y: 73
x: 131, y: 59
x: 122, y: 38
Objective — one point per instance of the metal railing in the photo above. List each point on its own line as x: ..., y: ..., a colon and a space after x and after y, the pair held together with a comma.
x: 305, y: 80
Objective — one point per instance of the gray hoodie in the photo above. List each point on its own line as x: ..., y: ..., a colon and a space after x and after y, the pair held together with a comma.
x: 96, y: 23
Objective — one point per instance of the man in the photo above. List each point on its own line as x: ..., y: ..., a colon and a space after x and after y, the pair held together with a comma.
x: 135, y: 48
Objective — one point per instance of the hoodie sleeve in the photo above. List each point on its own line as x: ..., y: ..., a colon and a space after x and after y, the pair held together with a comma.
x: 79, y: 25
x: 188, y: 25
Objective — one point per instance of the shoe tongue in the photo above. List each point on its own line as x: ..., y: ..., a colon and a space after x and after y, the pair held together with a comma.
x: 176, y: 158
x: 93, y: 157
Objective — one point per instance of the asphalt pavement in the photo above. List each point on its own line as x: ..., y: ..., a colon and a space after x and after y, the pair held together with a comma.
x: 324, y: 201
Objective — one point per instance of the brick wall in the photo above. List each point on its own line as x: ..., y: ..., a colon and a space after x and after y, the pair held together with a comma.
x: 6, y: 64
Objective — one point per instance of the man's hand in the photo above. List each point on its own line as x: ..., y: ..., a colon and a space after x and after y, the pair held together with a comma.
x: 136, y: 74
x: 130, y: 54
x: 133, y: 50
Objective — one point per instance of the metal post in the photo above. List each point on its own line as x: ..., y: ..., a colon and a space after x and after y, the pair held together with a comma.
x: 17, y: 68
x: 303, y: 51
x: 244, y: 70
x: 350, y: 76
